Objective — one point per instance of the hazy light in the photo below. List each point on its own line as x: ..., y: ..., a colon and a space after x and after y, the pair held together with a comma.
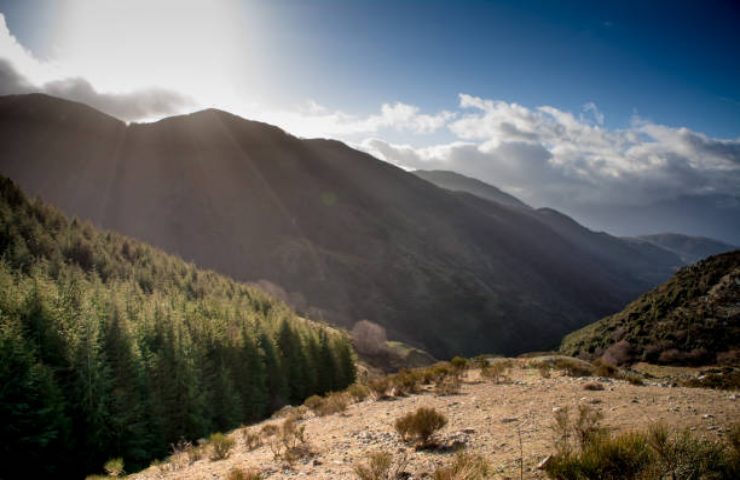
x: 197, y: 47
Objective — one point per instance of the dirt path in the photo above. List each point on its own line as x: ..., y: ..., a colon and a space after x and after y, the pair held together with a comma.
x: 484, y: 415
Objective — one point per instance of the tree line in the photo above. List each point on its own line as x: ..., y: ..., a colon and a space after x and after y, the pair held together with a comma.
x: 112, y: 348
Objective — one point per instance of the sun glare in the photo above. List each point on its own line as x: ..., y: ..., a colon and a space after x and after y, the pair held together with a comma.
x: 194, y: 46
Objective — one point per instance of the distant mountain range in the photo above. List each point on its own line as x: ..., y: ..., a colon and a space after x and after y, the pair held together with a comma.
x: 690, y: 249
x: 338, y: 233
x: 693, y: 318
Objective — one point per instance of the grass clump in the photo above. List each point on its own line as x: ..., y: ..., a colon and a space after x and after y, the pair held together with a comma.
x: 252, y: 439
x: 358, y: 392
x: 465, y: 466
x: 379, y: 386
x: 332, y: 403
x: 585, y: 450
x: 496, y: 370
x: 289, y: 442
x: 381, y: 466
x: 114, y: 467
x: 420, y: 426
x: 242, y: 474
x: 221, y: 446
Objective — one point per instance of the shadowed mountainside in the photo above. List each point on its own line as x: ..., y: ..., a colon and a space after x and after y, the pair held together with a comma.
x: 690, y: 249
x: 347, y: 236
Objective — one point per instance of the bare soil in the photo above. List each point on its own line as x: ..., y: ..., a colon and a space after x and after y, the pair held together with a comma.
x: 484, y: 416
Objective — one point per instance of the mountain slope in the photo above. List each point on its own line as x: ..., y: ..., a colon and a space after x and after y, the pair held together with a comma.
x: 347, y: 236
x: 650, y: 263
x: 692, y: 318
x: 460, y: 183
x: 111, y: 348
x: 690, y: 249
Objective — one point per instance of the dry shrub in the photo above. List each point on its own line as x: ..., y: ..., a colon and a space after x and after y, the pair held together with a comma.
x: 379, y: 386
x: 448, y: 386
x: 593, y: 386
x: 269, y: 430
x: 332, y: 403
x: 358, y: 392
x: 381, y: 466
x: 290, y: 443
x: 618, y: 353
x: 544, y: 370
x: 221, y: 446
x: 406, y: 382
x: 252, y: 439
x: 242, y: 474
x: 497, y: 370
x: 459, y: 363
x: 420, y: 426
x: 369, y: 338
x: 584, y: 428
x: 573, y: 367
x: 465, y: 466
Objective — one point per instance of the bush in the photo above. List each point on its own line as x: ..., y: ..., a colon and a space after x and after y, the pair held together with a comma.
x: 221, y: 446
x: 252, y: 439
x: 289, y: 442
x: 593, y: 386
x: 358, y: 392
x: 496, y: 371
x: 573, y: 367
x: 406, y: 382
x: 459, y: 363
x: 114, y: 467
x: 622, y: 457
x: 241, y: 474
x: 448, y: 386
x: 420, y: 426
x: 379, y: 386
x: 465, y: 466
x: 381, y: 466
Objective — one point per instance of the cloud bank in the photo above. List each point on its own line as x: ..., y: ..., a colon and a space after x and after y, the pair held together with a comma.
x: 551, y: 157
x: 21, y: 72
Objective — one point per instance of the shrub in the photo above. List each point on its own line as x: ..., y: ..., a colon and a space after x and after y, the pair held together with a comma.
x: 221, y: 446
x: 622, y: 457
x: 358, y: 392
x: 289, y: 443
x: 381, y: 466
x: 114, y: 467
x: 332, y: 403
x: 379, y: 386
x: 496, y: 371
x: 573, y: 367
x: 544, y: 370
x: 313, y: 402
x: 420, y: 426
x: 593, y: 386
x: 459, y: 363
x: 448, y: 386
x: 252, y: 439
x: 269, y: 430
x: 406, y: 382
x: 241, y: 474
x: 465, y: 466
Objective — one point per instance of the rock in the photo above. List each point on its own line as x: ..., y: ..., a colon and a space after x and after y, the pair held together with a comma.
x: 468, y: 431
x: 707, y: 416
x: 509, y: 419
x: 544, y: 463
x: 317, y: 462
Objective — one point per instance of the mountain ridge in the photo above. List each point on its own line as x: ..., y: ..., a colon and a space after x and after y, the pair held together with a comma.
x: 347, y: 236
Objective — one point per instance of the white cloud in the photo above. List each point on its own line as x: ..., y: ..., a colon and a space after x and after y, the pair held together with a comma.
x: 21, y: 72
x: 314, y: 120
x: 552, y: 157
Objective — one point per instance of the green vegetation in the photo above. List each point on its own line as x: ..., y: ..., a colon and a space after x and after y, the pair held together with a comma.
x: 686, y: 321
x: 586, y: 450
x: 111, y: 348
x: 221, y: 446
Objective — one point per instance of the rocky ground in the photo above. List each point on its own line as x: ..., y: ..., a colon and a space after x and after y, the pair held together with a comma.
x: 487, y: 418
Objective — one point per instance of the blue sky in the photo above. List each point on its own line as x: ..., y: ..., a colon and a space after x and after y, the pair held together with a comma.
x: 586, y: 106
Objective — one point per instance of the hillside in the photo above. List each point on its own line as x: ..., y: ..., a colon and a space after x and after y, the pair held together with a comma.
x: 690, y: 249
x: 693, y: 318
x: 460, y: 183
x: 344, y: 235
x: 648, y: 262
x: 484, y: 418
x: 112, y: 348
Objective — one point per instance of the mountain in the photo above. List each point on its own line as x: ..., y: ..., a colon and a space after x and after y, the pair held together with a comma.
x: 343, y: 234
x: 460, y: 183
x: 690, y: 249
x: 651, y: 263
x: 692, y: 318
x: 112, y: 348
